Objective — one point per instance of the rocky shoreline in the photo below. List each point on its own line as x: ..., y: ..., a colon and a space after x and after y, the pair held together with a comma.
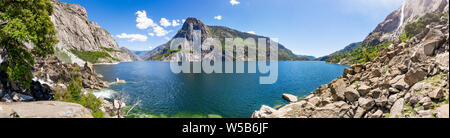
x: 408, y: 80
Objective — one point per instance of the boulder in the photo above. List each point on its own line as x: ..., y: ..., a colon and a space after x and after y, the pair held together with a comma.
x: 363, y: 89
x: 357, y: 68
x: 46, y: 109
x: 6, y: 98
x: 17, y: 97
x: 392, y: 99
x: 426, y: 102
x: 338, y: 88
x: 264, y: 112
x: 351, y: 94
x: 399, y: 82
x: 315, y: 101
x: 432, y: 41
x: 41, y: 92
x: 89, y: 67
x: 397, y: 108
x: 443, y: 59
x: 442, y: 112
x: 118, y: 81
x: 381, y: 101
x: 359, y: 112
x: 366, y: 103
x: 414, y: 75
x: 290, y: 98
x: 377, y: 114
x: 436, y: 94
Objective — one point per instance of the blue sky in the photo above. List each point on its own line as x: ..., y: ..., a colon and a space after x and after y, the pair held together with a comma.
x: 310, y: 27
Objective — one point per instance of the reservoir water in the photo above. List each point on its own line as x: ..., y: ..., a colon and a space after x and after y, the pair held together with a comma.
x: 228, y: 95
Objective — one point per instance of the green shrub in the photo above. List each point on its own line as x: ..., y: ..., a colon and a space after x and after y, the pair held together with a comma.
x: 74, y: 94
x: 111, y: 49
x: 417, y: 27
x: 92, y: 56
x: 362, y: 54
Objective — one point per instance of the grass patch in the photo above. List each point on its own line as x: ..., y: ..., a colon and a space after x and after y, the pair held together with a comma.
x: 63, y: 56
x: 93, y: 56
x: 111, y: 49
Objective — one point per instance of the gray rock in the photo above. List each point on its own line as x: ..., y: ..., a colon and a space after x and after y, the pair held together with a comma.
x: 442, y: 112
x: 432, y: 41
x: 21, y: 97
x: 264, y: 112
x: 366, y: 103
x: 290, y: 98
x: 359, y: 112
x: 338, y: 89
x: 363, y: 89
x: 351, y: 94
x: 436, y: 94
x: 413, y: 76
x: 6, y: 98
x: 381, y: 101
x: 46, y: 109
x: 392, y: 99
x: 397, y: 108
x: 315, y: 101
x: 377, y: 114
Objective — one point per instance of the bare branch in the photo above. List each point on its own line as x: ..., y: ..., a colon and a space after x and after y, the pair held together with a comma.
x: 136, y: 104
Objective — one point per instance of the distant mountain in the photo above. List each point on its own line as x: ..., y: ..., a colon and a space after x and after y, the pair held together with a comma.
x: 141, y: 54
x: 346, y: 49
x: 162, y: 53
x: 306, y: 57
x: 132, y: 54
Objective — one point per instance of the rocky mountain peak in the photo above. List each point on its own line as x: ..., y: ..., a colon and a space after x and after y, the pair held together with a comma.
x: 190, y: 25
x: 410, y: 11
x: 76, y: 32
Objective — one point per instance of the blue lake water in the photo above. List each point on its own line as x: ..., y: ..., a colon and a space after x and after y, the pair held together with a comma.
x: 227, y: 95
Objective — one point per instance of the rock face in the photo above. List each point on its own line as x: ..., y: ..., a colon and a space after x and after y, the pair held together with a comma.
x: 402, y: 82
x: 54, y: 72
x: 132, y: 55
x: 187, y: 31
x: 43, y: 109
x: 410, y: 11
x: 75, y: 31
x: 290, y: 97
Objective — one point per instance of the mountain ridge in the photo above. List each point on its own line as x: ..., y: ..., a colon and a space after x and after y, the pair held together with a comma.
x: 221, y: 32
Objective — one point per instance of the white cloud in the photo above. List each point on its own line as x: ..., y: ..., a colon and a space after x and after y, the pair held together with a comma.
x: 151, y: 34
x: 159, y: 31
x: 167, y: 38
x: 143, y: 22
x: 132, y: 37
x: 164, y: 22
x: 235, y: 2
x: 175, y: 23
x: 219, y: 17
x: 251, y: 32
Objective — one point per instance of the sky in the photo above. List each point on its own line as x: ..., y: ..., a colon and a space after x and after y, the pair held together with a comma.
x: 307, y: 27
